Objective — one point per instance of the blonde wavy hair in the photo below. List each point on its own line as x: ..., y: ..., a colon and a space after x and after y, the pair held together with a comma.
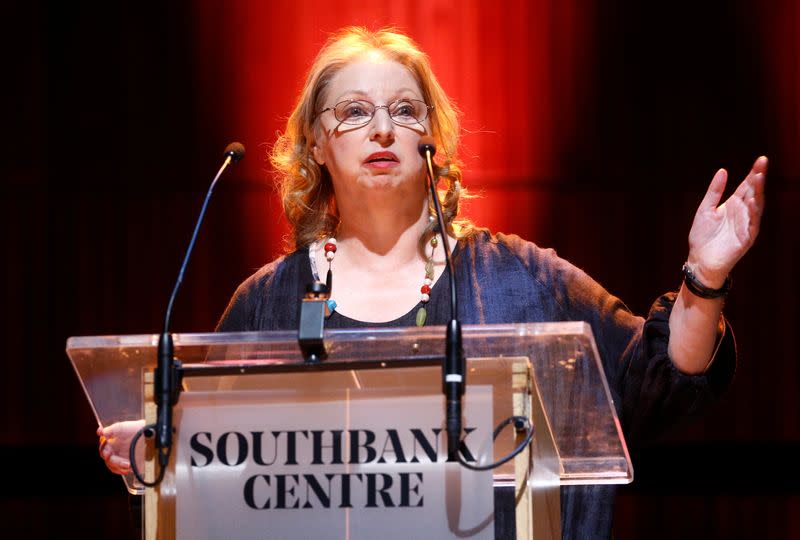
x: 306, y: 188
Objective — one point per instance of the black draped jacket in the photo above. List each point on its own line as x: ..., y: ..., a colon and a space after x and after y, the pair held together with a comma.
x: 504, y: 279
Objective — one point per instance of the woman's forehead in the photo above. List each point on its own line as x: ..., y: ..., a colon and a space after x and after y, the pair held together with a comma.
x: 377, y: 79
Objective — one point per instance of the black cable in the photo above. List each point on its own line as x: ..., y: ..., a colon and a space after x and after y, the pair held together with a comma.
x: 520, y: 423
x: 148, y: 431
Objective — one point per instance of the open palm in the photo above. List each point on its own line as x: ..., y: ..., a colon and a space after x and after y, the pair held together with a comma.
x: 722, y: 233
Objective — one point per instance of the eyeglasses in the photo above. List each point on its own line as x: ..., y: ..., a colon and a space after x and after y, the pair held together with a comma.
x: 357, y: 112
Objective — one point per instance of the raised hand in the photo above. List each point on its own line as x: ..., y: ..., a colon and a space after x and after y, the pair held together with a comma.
x: 722, y: 233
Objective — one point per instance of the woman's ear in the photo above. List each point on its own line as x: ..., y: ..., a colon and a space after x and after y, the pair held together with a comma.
x: 319, y: 157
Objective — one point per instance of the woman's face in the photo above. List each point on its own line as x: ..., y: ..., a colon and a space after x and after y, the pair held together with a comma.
x: 381, y: 155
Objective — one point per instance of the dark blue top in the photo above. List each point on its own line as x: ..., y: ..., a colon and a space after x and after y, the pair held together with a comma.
x: 504, y: 279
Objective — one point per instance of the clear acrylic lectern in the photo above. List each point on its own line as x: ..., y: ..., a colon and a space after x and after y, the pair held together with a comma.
x: 267, y: 446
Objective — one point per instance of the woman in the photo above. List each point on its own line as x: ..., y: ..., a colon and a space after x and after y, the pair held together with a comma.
x: 353, y: 186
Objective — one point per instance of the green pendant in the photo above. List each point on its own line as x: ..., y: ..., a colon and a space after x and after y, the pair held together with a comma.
x: 422, y: 314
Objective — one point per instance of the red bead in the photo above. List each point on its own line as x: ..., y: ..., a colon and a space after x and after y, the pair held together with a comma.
x: 425, y: 289
x: 330, y: 247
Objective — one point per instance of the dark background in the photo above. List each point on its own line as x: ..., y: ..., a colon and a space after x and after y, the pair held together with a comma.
x: 594, y: 128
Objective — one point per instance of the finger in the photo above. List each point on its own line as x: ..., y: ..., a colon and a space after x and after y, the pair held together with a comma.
x: 756, y: 210
x: 759, y: 181
x: 715, y: 190
x: 754, y: 181
x: 760, y: 165
x: 99, y: 431
x: 119, y: 462
x: 118, y: 465
x: 116, y: 469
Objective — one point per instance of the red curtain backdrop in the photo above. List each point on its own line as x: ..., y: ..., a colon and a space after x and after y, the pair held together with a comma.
x: 779, y: 35
x: 591, y: 129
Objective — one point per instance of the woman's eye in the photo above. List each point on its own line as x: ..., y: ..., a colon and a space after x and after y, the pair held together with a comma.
x: 404, y: 109
x: 354, y: 111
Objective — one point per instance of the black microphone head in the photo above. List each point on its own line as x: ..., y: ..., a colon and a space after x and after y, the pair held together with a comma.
x: 235, y: 150
x: 426, y: 145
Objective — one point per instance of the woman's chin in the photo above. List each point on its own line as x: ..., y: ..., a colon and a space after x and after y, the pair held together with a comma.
x: 386, y: 181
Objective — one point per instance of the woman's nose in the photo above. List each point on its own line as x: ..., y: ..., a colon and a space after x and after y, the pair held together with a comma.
x: 382, y: 125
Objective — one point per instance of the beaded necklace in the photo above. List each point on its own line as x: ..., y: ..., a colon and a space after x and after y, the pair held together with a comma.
x: 330, y: 247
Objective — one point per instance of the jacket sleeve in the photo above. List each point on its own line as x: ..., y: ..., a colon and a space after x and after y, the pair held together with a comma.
x: 655, y: 394
x: 650, y: 394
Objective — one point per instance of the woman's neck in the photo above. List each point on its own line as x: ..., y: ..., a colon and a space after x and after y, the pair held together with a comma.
x: 382, y: 239
x: 378, y: 268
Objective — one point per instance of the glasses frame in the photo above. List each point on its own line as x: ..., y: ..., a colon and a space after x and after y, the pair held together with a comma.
x: 428, y: 109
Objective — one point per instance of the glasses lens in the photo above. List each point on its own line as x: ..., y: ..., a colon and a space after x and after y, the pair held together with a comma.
x: 354, y: 112
x: 408, y: 111
x: 403, y: 111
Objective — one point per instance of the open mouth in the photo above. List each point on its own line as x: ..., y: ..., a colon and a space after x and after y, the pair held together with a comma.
x: 380, y: 158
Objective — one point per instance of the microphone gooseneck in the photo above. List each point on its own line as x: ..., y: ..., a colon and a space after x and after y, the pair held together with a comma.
x: 453, y: 367
x: 167, y: 383
x: 234, y: 152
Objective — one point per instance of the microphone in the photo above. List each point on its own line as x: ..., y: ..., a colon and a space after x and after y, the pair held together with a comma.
x: 453, y: 367
x: 167, y: 380
x: 427, y: 146
x: 235, y: 151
